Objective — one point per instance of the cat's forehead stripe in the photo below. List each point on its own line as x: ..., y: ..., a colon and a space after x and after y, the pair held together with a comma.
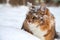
x: 35, y: 15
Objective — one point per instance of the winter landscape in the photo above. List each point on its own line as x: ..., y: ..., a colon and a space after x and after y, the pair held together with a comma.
x: 11, y: 20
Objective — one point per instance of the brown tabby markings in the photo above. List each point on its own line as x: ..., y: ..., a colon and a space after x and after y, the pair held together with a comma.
x: 41, y: 24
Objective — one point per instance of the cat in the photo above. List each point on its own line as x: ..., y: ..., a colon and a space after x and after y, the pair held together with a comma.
x: 40, y: 23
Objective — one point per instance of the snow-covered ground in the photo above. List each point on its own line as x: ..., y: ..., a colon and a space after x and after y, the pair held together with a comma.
x: 11, y: 20
x: 12, y: 16
x: 15, y: 34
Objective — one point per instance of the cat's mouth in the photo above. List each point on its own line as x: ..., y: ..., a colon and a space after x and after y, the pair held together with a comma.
x: 33, y: 23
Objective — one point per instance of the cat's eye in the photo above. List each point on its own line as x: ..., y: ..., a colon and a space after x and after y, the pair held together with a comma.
x: 34, y: 18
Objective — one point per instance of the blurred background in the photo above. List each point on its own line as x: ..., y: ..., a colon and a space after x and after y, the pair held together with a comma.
x: 34, y: 2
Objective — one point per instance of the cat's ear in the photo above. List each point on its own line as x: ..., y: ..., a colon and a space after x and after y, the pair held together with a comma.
x: 29, y: 4
x: 43, y: 7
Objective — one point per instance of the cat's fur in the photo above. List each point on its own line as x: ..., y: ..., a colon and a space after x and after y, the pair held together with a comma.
x: 40, y: 24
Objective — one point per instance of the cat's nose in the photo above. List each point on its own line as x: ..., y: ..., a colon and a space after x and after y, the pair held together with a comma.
x: 30, y: 20
x: 41, y: 18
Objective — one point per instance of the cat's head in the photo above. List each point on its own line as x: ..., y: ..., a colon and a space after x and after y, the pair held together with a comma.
x: 40, y: 15
x: 39, y: 18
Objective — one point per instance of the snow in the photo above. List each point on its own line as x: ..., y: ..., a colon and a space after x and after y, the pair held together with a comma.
x: 12, y: 18
x: 15, y: 34
x: 56, y: 12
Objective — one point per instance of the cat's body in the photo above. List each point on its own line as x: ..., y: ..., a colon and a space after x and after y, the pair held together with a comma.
x: 40, y: 24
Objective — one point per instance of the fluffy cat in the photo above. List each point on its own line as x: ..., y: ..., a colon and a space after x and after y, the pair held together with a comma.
x: 40, y: 23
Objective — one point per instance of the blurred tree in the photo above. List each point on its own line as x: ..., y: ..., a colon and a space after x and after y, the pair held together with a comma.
x: 2, y: 1
x: 56, y: 1
x: 17, y: 2
x: 34, y: 2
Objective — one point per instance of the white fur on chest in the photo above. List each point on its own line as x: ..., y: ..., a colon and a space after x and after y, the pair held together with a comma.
x: 36, y: 31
